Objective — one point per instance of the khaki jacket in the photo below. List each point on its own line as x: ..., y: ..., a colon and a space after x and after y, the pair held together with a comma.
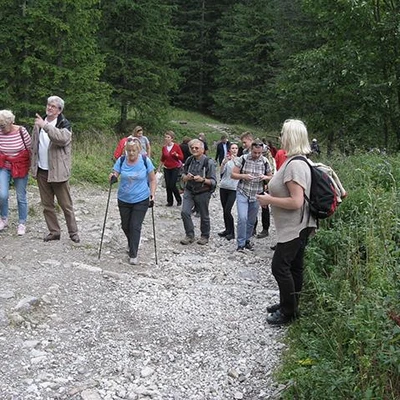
x: 59, y: 152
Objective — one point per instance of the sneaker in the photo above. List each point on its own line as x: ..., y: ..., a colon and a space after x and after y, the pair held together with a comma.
x: 249, y: 245
x: 187, y: 240
x: 203, y: 240
x: 222, y: 234
x: 21, y: 230
x: 240, y: 249
x: 133, y: 261
x: 262, y: 234
x: 3, y: 223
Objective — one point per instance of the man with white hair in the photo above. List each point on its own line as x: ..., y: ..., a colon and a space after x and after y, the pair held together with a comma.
x: 200, y: 181
x: 51, y: 166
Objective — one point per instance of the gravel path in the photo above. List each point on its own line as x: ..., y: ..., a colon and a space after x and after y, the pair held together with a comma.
x: 76, y: 327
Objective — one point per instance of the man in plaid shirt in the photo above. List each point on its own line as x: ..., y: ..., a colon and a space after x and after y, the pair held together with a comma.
x: 252, y: 170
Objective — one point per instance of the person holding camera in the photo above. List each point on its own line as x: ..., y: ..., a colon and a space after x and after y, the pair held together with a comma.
x: 252, y: 170
x: 200, y: 181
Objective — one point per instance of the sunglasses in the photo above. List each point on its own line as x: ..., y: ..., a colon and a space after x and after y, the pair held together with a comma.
x: 255, y: 144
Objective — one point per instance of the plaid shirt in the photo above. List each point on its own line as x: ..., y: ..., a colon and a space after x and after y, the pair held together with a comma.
x: 257, y: 167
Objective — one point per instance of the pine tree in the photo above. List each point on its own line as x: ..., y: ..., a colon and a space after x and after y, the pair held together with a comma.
x: 247, y: 63
x: 139, y: 42
x: 50, y: 48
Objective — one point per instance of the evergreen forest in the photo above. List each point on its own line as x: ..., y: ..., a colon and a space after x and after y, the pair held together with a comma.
x: 334, y: 64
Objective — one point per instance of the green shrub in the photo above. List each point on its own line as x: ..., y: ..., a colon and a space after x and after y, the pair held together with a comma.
x: 347, y: 343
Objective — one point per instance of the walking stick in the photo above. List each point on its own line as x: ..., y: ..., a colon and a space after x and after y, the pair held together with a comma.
x: 154, y: 233
x: 105, y: 216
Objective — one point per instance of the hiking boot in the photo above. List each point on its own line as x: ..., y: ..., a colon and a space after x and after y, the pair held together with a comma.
x: 187, y: 240
x: 262, y: 234
x: 278, y: 318
x: 273, y: 308
x: 3, y: 223
x: 249, y: 245
x: 133, y: 261
x: 203, y: 240
x: 21, y: 230
x: 75, y: 238
x: 52, y: 236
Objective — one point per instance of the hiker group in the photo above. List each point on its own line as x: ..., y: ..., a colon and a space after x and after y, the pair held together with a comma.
x: 252, y: 173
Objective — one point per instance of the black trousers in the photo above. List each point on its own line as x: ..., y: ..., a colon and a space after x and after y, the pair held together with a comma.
x: 171, y: 177
x: 287, y: 268
x: 265, y: 219
x: 132, y: 216
x: 228, y: 198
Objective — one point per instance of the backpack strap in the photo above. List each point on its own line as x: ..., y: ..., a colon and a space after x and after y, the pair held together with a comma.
x: 22, y: 137
x: 266, y: 164
x: 305, y: 196
x: 122, y: 159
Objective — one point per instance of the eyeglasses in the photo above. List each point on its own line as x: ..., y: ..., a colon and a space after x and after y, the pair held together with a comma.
x: 194, y: 148
x: 52, y: 106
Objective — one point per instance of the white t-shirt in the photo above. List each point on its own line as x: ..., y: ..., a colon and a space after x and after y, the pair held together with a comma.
x: 44, y: 142
x: 289, y: 223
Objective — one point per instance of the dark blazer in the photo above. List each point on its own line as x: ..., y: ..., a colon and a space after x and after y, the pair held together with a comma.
x: 220, y: 151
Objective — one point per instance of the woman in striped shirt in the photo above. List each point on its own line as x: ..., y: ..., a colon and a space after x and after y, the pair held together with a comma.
x: 15, y: 144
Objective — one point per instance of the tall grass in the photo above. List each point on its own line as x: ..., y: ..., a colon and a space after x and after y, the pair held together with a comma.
x: 347, y: 343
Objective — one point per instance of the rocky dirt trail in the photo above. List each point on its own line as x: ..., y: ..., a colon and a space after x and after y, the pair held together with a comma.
x: 190, y: 328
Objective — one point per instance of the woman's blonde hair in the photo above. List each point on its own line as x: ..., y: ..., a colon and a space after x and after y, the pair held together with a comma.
x: 6, y: 117
x: 294, y: 137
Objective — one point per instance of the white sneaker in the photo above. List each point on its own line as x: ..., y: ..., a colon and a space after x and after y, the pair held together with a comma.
x: 3, y: 223
x: 21, y: 229
x: 133, y: 261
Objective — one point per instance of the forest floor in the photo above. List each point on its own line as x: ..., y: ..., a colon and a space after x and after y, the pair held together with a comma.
x: 192, y: 326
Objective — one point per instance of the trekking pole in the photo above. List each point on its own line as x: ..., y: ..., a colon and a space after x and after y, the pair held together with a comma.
x: 105, y: 216
x: 154, y: 232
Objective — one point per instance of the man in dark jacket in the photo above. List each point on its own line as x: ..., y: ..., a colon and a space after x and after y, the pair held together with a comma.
x: 51, y: 166
x: 222, y: 149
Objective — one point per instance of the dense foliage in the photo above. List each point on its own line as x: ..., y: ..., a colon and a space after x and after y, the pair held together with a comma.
x: 346, y: 344
x: 335, y: 65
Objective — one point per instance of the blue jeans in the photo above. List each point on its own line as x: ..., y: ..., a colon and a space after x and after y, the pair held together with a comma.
x: 20, y: 189
x: 247, y: 214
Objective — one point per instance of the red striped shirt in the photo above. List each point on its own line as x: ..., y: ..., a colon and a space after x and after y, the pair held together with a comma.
x: 11, y: 143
